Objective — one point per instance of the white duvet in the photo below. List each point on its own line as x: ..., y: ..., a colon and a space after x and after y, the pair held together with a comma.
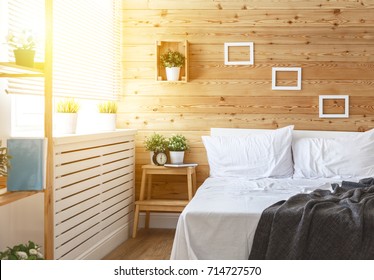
x: 221, y: 219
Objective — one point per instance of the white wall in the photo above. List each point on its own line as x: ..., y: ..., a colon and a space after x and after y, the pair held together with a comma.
x: 5, y: 117
x: 21, y: 221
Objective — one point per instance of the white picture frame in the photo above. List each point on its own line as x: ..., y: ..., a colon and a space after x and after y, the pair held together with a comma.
x: 287, y: 69
x: 250, y: 45
x: 346, y: 106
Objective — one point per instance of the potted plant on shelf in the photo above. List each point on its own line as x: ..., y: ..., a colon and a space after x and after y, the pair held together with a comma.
x: 107, y: 115
x: 172, y: 61
x: 4, y: 161
x: 23, y: 45
x: 156, y: 143
x: 177, y: 145
x: 4, y: 165
x: 29, y: 251
x: 65, y: 119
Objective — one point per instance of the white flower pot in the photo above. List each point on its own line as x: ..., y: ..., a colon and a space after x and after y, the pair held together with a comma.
x: 172, y: 73
x: 176, y: 157
x: 151, y: 157
x: 106, y: 122
x: 65, y: 123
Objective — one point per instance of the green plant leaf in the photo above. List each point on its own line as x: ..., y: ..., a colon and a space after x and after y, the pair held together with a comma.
x: 177, y: 143
x: 172, y: 59
x: 108, y: 107
x: 22, y: 251
x: 67, y: 106
x: 156, y: 143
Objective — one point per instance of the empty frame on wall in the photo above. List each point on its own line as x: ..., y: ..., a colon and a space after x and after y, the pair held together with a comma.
x: 238, y: 60
x: 323, y: 114
x: 274, y: 82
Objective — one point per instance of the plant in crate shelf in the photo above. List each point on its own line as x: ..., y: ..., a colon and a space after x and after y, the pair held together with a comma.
x: 172, y: 61
x: 23, y: 45
x: 29, y: 251
x: 177, y: 145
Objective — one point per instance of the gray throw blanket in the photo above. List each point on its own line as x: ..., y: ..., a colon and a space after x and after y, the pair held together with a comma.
x: 319, y: 225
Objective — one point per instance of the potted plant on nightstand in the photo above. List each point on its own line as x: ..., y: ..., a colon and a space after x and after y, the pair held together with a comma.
x: 107, y: 115
x: 155, y: 143
x: 172, y: 61
x: 23, y: 45
x: 177, y: 145
x: 65, y: 118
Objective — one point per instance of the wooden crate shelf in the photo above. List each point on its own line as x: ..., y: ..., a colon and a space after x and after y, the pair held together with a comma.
x: 162, y: 47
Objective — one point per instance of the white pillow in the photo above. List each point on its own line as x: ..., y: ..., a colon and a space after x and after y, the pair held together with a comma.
x: 341, y: 157
x: 259, y: 155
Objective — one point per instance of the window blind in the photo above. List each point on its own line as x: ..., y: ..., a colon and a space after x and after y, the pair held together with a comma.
x: 86, y: 47
x: 86, y: 54
x: 27, y: 15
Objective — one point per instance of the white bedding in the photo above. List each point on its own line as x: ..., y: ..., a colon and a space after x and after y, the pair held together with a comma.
x: 221, y: 219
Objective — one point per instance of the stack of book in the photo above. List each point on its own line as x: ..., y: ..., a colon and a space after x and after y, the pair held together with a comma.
x: 28, y: 164
x: 180, y: 164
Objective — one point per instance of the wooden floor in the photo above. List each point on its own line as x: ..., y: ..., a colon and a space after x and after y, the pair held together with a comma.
x: 149, y: 244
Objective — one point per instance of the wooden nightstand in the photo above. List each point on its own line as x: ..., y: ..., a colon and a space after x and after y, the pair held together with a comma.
x: 161, y: 205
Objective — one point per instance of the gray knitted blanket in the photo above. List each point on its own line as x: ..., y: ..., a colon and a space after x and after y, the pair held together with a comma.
x: 319, y: 225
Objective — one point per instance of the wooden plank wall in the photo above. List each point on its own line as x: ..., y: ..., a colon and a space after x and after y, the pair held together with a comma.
x: 332, y: 40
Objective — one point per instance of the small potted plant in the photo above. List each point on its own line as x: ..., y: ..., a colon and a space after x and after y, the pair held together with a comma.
x: 23, y: 45
x: 107, y: 115
x: 4, y: 165
x: 4, y: 161
x: 177, y: 145
x: 29, y: 251
x: 155, y: 143
x: 65, y: 119
x: 172, y: 61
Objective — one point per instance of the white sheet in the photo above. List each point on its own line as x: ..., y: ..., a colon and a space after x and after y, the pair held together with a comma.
x: 221, y: 219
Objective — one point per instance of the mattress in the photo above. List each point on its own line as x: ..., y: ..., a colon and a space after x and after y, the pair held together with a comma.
x: 220, y: 221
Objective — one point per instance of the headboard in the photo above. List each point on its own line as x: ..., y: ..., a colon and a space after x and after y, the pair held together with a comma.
x: 296, y: 133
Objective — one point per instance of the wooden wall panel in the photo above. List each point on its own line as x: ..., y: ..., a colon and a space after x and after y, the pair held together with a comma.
x: 245, y: 4
x: 324, y: 35
x: 249, y: 18
x: 240, y: 105
x: 233, y: 87
x: 264, y: 53
x: 332, y: 40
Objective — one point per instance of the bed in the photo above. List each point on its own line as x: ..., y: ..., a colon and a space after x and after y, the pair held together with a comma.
x: 221, y: 220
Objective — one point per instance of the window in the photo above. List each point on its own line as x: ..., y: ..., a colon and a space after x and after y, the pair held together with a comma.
x: 26, y: 111
x: 86, y: 56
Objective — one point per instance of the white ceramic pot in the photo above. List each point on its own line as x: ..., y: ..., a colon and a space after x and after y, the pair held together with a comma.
x: 151, y: 157
x: 106, y: 122
x: 65, y: 123
x: 172, y: 73
x: 176, y: 157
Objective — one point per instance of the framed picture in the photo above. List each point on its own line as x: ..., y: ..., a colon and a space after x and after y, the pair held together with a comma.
x: 245, y: 61
x: 275, y: 86
x: 322, y: 99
